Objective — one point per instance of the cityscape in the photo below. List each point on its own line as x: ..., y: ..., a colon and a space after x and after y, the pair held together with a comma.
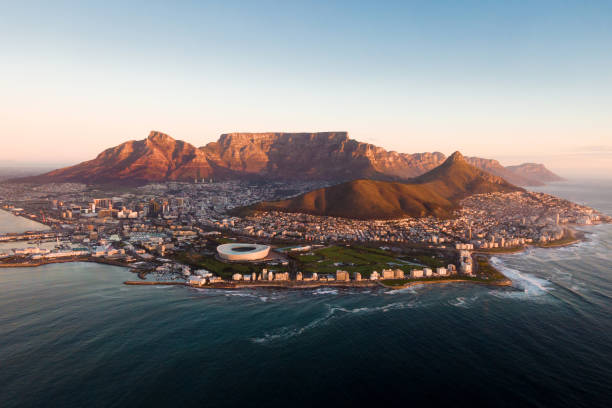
x: 147, y: 227
x: 306, y: 204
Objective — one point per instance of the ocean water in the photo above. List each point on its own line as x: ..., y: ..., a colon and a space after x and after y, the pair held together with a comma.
x: 71, y: 335
x: 12, y: 223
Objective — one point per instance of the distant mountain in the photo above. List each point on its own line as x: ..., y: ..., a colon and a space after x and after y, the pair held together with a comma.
x: 435, y: 193
x: 11, y: 172
x: 535, y: 171
x: 494, y: 167
x: 270, y: 156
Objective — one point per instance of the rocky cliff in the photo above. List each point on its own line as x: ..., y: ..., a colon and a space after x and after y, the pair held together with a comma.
x: 271, y: 156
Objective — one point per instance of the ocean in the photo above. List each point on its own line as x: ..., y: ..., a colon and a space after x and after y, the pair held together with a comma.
x: 71, y: 335
x: 12, y: 223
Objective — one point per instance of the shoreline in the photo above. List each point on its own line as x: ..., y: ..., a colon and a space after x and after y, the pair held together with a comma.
x: 270, y: 285
x: 40, y: 227
x: 504, y: 282
x: 579, y: 237
x: 298, y: 285
x: 65, y: 260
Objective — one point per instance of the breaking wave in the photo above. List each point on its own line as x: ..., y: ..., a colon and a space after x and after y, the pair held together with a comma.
x: 463, y: 302
x: 325, y: 291
x: 528, y: 286
x: 332, y: 313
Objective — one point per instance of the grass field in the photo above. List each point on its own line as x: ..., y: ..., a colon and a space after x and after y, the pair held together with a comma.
x: 426, y: 259
x: 353, y: 258
x: 210, y: 263
x: 501, y: 250
x: 486, y: 270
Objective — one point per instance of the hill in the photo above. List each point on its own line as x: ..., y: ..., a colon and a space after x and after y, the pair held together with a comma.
x: 535, y: 171
x: 436, y: 193
x: 156, y: 158
x: 263, y: 156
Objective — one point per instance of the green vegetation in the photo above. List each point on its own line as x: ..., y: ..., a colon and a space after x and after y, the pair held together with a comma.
x: 485, y: 269
x: 210, y: 263
x: 305, y: 257
x: 353, y: 258
x: 403, y: 282
x: 431, y: 261
x: 394, y: 282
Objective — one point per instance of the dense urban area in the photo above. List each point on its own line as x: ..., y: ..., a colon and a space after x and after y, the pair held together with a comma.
x: 170, y: 231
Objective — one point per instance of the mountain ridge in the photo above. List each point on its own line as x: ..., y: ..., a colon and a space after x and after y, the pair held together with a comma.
x: 265, y: 156
x: 436, y: 193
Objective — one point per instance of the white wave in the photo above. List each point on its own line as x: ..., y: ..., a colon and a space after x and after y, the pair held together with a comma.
x: 409, y: 289
x: 528, y: 285
x: 288, y: 332
x: 325, y: 291
x: 458, y: 302
x: 240, y: 294
x: 385, y: 308
x: 463, y: 302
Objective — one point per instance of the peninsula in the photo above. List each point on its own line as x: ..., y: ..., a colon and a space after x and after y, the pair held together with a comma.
x: 342, y: 214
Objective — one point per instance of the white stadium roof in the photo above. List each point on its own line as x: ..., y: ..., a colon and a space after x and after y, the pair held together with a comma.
x: 243, y: 252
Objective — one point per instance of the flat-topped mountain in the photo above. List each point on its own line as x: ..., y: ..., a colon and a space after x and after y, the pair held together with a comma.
x: 322, y: 155
x: 269, y: 156
x: 435, y: 193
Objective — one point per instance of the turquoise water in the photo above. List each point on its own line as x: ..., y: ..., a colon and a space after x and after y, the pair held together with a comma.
x: 72, y: 335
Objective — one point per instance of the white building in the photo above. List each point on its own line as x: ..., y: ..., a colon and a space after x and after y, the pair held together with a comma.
x: 416, y: 273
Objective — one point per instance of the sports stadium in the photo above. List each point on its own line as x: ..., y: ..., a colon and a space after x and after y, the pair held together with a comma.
x: 243, y: 252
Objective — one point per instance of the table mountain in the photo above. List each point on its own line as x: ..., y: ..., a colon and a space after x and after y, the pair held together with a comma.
x: 271, y: 156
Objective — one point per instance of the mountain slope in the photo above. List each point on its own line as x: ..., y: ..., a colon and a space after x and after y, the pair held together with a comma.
x: 307, y: 156
x: 494, y: 167
x: 266, y: 156
x: 156, y: 158
x: 436, y: 193
x: 535, y: 172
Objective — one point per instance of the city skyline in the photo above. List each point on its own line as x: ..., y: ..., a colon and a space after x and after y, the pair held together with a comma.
x: 514, y: 82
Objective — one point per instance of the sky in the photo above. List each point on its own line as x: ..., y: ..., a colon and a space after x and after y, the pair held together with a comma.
x: 512, y: 80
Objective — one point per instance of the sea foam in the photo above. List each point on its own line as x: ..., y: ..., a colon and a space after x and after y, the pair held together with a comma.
x: 333, y: 312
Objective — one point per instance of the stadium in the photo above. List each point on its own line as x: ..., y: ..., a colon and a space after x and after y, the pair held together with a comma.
x: 243, y: 252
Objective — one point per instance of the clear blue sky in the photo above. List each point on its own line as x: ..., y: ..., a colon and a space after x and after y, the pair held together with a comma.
x: 513, y: 80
